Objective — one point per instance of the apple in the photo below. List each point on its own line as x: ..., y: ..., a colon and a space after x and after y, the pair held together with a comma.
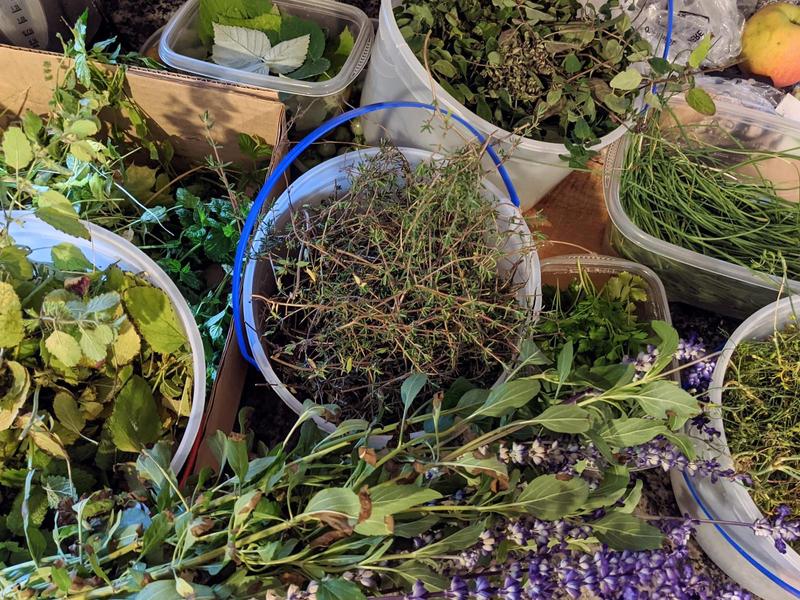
x: 771, y: 44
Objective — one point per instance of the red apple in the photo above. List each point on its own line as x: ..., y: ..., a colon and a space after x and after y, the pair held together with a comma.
x: 771, y: 44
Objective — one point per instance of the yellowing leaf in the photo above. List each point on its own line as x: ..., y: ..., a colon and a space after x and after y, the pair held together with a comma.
x: 127, y: 345
x: 48, y: 442
x: 64, y: 347
x: 155, y: 318
x: 11, y: 331
x: 627, y: 80
x: 82, y: 128
x: 17, y: 148
x: 139, y: 182
x: 67, y: 412
x: 15, y: 396
x: 94, y: 342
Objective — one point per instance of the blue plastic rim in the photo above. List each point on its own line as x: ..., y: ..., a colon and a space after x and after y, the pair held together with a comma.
x: 291, y: 156
x: 761, y: 568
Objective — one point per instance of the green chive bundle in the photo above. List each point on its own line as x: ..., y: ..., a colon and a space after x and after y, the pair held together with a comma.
x: 698, y: 187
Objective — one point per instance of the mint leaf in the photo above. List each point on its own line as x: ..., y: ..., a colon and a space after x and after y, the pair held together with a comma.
x: 154, y: 317
x: 64, y: 348
x: 134, y: 422
x: 54, y: 209
x: 68, y: 257
x: 17, y: 148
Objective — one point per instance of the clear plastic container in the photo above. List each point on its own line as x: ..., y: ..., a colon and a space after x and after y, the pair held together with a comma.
x: 751, y: 560
x: 688, y: 276
x: 316, y: 186
x: 180, y: 48
x: 563, y: 270
x: 396, y: 73
x: 105, y: 249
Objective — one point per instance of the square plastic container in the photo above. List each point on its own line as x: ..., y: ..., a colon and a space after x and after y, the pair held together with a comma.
x: 560, y: 271
x: 181, y: 49
x: 691, y: 277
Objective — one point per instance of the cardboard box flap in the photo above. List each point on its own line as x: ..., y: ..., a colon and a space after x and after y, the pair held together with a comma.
x: 174, y: 102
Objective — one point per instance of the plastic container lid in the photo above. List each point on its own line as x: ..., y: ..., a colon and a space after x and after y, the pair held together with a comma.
x: 103, y: 250
x: 180, y: 47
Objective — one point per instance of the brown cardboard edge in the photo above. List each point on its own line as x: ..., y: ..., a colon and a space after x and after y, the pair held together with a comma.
x: 165, y: 74
x: 226, y: 393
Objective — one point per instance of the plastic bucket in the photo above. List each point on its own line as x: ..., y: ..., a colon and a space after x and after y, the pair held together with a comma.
x: 314, y: 187
x: 750, y: 560
x: 395, y: 73
x: 105, y: 249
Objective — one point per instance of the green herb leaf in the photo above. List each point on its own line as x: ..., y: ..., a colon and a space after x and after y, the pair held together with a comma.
x: 211, y: 11
x: 16, y: 393
x: 625, y: 532
x: 68, y: 257
x: 550, y: 498
x: 339, y: 589
x: 633, y: 498
x: 699, y: 54
x: 389, y: 499
x: 411, y: 388
x: 15, y: 261
x: 662, y: 399
x: 621, y: 433
x: 68, y: 413
x: 16, y: 148
x: 700, y: 100
x: 509, y: 396
x: 155, y: 318
x: 156, y: 533
x: 613, y: 486
x: 54, y: 209
x: 564, y: 418
x: 667, y: 347
x: 11, y: 330
x: 134, y: 422
x: 463, y: 538
x: 294, y: 27
x: 629, y: 79
x: 64, y: 347
x: 564, y: 361
x: 340, y: 501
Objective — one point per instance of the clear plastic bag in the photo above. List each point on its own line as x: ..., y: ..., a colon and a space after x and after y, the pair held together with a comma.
x: 693, y: 19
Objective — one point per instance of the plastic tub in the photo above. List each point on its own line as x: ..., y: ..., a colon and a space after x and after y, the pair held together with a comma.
x: 103, y: 250
x: 563, y: 270
x: 751, y: 560
x: 395, y: 73
x: 316, y: 186
x: 690, y: 277
x: 180, y: 48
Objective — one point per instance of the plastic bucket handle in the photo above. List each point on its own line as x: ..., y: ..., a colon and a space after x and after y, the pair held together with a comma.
x: 291, y: 156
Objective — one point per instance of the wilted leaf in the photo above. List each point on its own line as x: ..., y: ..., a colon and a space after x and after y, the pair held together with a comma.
x: 64, y: 347
x: 68, y: 257
x: 134, y: 422
x: 15, y: 395
x: 54, y: 209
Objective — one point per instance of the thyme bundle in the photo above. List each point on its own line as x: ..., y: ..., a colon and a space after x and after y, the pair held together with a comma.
x: 397, y: 274
x: 704, y: 189
x: 762, y: 416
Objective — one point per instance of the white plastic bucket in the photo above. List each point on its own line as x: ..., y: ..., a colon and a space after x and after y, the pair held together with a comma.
x: 316, y: 186
x: 751, y: 560
x: 105, y: 249
x: 395, y: 73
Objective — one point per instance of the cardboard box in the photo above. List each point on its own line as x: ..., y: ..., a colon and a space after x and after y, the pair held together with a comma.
x: 173, y: 103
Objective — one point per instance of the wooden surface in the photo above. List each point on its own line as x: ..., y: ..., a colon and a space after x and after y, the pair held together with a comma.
x: 573, y: 216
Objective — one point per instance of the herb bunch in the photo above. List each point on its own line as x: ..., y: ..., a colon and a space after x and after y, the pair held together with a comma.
x: 762, y: 419
x: 401, y: 272
x: 337, y: 504
x: 93, y: 364
x: 709, y: 190
x: 554, y: 71
x: 601, y: 324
